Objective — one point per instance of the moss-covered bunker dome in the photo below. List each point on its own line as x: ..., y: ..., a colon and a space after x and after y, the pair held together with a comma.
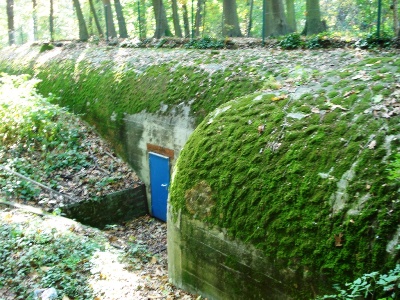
x: 302, y: 179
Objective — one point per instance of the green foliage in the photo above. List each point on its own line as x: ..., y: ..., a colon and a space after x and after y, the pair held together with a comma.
x: 371, y: 40
x: 46, y: 47
x: 372, y: 285
x: 317, y: 41
x: 35, y: 142
x: 58, y: 259
x: 205, y: 43
x: 291, y: 41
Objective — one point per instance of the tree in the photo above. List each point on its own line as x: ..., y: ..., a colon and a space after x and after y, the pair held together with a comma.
x: 34, y: 20
x: 175, y: 18
x: 275, y: 17
x: 51, y: 20
x: 291, y: 15
x: 250, y: 24
x: 313, y: 24
x: 199, y: 17
x: 109, y: 20
x: 123, y: 33
x: 396, y: 29
x: 83, y: 33
x: 185, y: 14
x: 10, y: 22
x: 96, y: 19
x: 162, y: 27
x: 231, y: 21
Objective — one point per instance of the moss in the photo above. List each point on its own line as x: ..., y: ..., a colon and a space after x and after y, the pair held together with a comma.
x: 269, y: 191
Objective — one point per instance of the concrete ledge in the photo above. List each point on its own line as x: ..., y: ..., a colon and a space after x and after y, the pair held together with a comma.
x: 113, y: 208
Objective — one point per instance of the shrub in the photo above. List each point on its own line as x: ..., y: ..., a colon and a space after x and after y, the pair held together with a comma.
x: 291, y: 41
x: 205, y: 43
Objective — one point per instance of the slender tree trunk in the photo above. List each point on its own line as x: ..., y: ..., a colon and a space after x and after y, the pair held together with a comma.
x: 123, y: 33
x: 96, y: 19
x: 314, y: 25
x: 34, y: 20
x: 83, y: 32
x: 199, y: 17
x: 51, y: 20
x: 10, y: 22
x: 186, y: 25
x: 396, y: 18
x: 144, y: 18
x: 175, y: 18
x: 250, y: 24
x: 291, y: 15
x: 231, y: 20
x: 109, y: 20
x: 162, y: 28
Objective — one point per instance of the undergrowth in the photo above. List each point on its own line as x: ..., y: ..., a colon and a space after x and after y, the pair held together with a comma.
x: 36, y: 256
x: 35, y: 142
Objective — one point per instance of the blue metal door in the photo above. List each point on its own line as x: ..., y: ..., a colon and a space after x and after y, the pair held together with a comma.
x: 159, y: 183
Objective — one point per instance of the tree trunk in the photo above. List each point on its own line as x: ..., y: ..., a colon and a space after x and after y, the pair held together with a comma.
x: 396, y: 18
x: 314, y: 25
x: 269, y: 18
x: 250, y: 24
x: 175, y: 18
x: 83, y: 33
x: 162, y: 28
x: 275, y: 19
x: 34, y: 20
x: 51, y: 20
x: 144, y: 18
x: 231, y: 20
x: 10, y: 22
x: 96, y: 19
x: 123, y: 33
x: 110, y: 32
x: 291, y: 15
x: 199, y: 17
x: 186, y: 25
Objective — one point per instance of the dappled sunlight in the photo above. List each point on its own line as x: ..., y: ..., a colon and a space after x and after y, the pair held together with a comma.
x: 110, y: 277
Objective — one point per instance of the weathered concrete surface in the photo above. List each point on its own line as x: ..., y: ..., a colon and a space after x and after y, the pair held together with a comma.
x: 111, y: 209
x: 204, y: 260
x: 169, y: 132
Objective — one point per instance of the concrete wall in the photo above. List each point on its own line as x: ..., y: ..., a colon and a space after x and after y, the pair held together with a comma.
x: 113, y: 208
x: 203, y: 260
x: 165, y: 133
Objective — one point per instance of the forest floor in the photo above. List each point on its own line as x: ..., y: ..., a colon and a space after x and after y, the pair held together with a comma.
x: 133, y: 261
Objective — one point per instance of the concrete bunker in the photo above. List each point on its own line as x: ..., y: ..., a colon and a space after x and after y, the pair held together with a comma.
x: 285, y: 210
x: 274, y: 196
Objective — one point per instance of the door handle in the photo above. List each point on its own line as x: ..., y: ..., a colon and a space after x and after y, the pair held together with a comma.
x: 164, y: 184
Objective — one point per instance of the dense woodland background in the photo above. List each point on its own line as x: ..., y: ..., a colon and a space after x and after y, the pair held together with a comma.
x: 24, y: 21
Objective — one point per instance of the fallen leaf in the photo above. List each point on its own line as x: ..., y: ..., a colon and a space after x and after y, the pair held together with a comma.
x: 372, y: 145
x: 261, y: 129
x: 315, y: 110
x: 281, y: 97
x: 377, y: 98
x: 338, y: 240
